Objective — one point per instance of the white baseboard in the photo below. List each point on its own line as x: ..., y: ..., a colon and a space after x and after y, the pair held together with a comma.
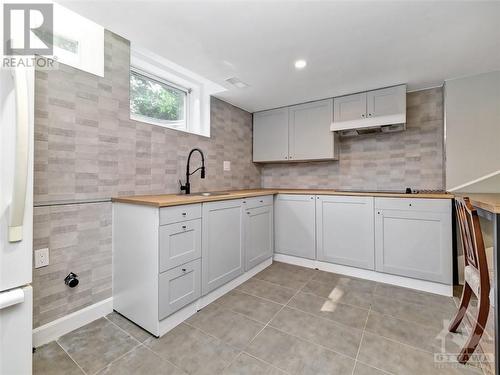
x: 425, y: 286
x: 219, y: 292
x: 178, y: 317
x: 55, y: 329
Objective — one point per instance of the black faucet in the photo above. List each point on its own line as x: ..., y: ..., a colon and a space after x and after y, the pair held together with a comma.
x: 187, y: 186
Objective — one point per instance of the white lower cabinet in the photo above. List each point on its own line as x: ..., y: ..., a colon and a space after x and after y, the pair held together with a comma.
x: 166, y: 258
x: 295, y: 225
x: 413, y: 238
x: 258, y: 235
x: 179, y: 243
x: 178, y: 287
x: 345, y: 230
x: 222, y: 243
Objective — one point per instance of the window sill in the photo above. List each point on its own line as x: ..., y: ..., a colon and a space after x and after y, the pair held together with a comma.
x: 157, y: 123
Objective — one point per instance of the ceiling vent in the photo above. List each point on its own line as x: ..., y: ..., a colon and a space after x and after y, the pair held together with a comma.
x: 236, y: 82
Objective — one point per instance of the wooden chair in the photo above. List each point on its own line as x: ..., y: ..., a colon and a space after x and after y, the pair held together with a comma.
x: 476, y: 275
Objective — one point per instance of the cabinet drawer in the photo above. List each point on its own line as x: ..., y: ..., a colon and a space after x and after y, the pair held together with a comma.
x: 255, y: 202
x: 169, y: 215
x: 179, y: 243
x: 414, y: 204
x: 179, y: 287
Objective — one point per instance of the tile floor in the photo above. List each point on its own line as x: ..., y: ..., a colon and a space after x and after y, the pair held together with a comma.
x: 285, y: 320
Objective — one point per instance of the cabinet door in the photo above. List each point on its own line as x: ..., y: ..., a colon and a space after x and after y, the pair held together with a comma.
x: 178, y: 287
x: 258, y: 235
x: 386, y: 102
x: 270, y: 135
x: 349, y: 107
x: 414, y: 243
x: 179, y: 243
x: 345, y: 230
x: 295, y: 225
x: 310, y: 137
x: 222, y: 243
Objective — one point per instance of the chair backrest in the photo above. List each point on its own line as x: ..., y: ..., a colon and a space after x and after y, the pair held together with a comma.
x: 472, y: 238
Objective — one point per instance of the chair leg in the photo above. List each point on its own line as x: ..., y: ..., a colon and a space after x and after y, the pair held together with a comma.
x: 477, y: 331
x: 464, y: 303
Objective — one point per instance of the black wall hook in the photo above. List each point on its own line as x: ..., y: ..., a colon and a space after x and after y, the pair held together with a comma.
x: 71, y: 280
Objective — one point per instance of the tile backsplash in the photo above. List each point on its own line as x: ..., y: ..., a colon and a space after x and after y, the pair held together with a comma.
x: 87, y: 148
x: 412, y: 158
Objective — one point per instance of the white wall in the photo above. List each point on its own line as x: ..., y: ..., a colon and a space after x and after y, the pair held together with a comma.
x: 472, y: 122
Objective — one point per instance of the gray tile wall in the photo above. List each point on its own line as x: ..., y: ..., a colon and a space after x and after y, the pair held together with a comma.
x: 79, y: 238
x: 87, y: 148
x: 413, y: 158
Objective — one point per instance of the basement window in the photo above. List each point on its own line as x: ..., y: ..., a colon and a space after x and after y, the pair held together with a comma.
x: 159, y: 102
x: 166, y: 94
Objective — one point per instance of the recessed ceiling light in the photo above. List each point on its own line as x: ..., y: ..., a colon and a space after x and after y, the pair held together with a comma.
x: 300, y: 64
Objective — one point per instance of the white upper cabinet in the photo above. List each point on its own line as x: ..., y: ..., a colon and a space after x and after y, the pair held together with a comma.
x: 372, y: 109
x: 309, y: 135
x: 270, y: 135
x: 296, y: 133
x: 350, y: 107
x: 386, y: 102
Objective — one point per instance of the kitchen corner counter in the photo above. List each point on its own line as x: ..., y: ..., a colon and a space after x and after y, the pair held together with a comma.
x: 167, y: 200
x: 488, y: 202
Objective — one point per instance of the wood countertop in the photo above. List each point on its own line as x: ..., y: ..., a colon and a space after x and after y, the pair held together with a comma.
x: 486, y: 201
x: 166, y: 200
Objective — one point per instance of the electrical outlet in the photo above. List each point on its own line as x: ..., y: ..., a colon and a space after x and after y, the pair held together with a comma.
x: 226, y: 165
x: 41, y: 258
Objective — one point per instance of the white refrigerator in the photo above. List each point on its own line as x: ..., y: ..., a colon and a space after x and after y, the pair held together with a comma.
x: 16, y: 219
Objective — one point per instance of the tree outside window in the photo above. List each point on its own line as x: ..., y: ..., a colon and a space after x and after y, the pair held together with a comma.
x: 157, y: 102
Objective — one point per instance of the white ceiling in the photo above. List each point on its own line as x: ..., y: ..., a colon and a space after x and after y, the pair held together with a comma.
x: 349, y: 46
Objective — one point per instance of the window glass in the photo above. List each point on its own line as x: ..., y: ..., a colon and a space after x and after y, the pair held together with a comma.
x: 157, y: 102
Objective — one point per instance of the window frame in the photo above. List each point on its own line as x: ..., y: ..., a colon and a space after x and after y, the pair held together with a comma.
x: 201, y: 88
x: 164, y: 82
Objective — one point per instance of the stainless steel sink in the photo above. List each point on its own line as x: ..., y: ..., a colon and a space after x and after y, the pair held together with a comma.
x: 207, y: 194
x: 210, y: 193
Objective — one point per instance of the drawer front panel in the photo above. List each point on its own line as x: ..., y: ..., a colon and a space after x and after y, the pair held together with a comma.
x: 169, y: 215
x: 254, y: 202
x: 179, y: 243
x: 179, y: 287
x: 414, y: 204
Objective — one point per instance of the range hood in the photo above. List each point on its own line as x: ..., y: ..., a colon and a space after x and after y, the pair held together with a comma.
x: 376, y: 111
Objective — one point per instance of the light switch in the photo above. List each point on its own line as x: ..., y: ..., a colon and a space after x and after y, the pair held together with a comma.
x: 226, y: 165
